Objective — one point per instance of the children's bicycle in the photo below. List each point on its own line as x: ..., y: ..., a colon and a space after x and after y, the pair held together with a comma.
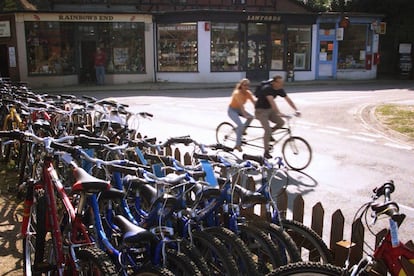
x: 296, y: 151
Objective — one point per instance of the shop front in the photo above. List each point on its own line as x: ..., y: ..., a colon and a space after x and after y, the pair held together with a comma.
x: 347, y: 46
x: 228, y: 46
x: 60, y: 48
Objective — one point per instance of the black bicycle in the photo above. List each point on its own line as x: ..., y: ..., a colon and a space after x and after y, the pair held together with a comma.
x: 296, y: 151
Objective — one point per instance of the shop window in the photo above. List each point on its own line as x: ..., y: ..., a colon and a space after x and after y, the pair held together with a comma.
x: 225, y: 47
x: 177, y: 47
x: 298, y: 47
x: 50, y: 48
x: 278, y: 45
x: 326, y: 50
x: 352, y: 49
x: 127, y: 48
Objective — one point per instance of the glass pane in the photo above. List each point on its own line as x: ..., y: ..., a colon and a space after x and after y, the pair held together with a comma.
x: 127, y: 47
x: 225, y: 47
x: 326, y: 51
x: 299, y: 47
x: 256, y: 46
x: 177, y: 47
x: 49, y: 48
x: 352, y: 49
x: 278, y: 38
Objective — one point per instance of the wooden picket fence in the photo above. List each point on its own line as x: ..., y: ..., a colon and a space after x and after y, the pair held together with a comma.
x: 336, y: 241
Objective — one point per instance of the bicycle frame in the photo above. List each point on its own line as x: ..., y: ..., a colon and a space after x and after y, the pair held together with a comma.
x: 399, y: 259
x: 79, y: 236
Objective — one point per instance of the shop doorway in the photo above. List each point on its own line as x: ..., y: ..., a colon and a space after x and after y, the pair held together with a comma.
x: 326, y: 63
x: 4, y: 62
x: 87, y: 68
x: 257, y: 52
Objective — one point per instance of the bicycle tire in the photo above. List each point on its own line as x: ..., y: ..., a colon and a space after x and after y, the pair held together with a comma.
x: 265, y: 252
x: 297, y: 153
x: 310, y: 244
x: 289, y: 251
x: 307, y: 269
x: 215, y: 253
x: 94, y: 261
x: 180, y: 264
x: 238, y: 249
x: 38, y: 248
x: 150, y: 270
x: 192, y: 252
x: 226, y: 134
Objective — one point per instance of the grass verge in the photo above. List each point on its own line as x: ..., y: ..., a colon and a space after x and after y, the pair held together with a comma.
x: 399, y: 118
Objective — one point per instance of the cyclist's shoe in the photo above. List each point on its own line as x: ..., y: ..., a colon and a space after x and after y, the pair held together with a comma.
x: 272, y: 139
x: 267, y: 155
x: 239, y: 148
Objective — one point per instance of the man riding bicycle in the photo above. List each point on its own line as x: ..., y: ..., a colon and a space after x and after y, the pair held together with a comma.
x: 266, y: 109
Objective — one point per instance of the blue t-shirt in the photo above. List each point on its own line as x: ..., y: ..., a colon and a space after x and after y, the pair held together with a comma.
x: 268, y: 90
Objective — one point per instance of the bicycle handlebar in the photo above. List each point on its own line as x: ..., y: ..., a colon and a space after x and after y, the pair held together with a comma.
x: 388, y: 207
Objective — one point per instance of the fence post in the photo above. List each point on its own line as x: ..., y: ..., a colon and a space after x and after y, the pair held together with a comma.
x: 298, y: 208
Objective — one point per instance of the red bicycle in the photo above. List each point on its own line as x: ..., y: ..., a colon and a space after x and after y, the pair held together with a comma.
x: 397, y: 257
x: 55, y: 240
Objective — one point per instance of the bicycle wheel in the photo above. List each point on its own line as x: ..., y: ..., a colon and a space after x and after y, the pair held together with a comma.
x: 226, y: 134
x: 195, y: 255
x: 265, y: 252
x: 94, y: 261
x: 296, y: 152
x: 238, y: 249
x: 311, y: 245
x: 38, y: 253
x: 179, y: 264
x: 288, y: 249
x: 215, y: 252
x: 307, y: 269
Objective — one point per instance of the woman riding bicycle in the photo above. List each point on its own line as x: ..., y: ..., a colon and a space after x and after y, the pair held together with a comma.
x: 239, y: 97
x: 267, y: 110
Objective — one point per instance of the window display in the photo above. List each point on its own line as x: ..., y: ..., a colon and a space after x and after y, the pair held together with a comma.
x: 177, y: 47
x: 278, y: 42
x: 352, y: 49
x: 51, y: 46
x: 299, y: 47
x: 225, y: 47
x: 128, y: 48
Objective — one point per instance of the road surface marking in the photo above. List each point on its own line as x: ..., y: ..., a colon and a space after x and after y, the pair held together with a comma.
x: 398, y: 146
x: 361, y: 138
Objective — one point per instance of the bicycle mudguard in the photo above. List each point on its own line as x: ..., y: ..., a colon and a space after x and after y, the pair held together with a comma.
x: 210, y: 175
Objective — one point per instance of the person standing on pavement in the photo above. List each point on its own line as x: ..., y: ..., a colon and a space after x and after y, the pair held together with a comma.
x: 100, y: 62
x: 266, y: 109
x: 239, y: 97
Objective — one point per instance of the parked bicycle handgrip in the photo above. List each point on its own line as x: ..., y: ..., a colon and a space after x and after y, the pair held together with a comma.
x: 386, y: 190
x: 123, y: 169
x: 83, y: 140
x: 66, y: 148
x: 211, y: 157
x: 390, y: 209
x: 166, y: 160
x: 259, y: 159
x: 221, y: 147
x: 179, y: 140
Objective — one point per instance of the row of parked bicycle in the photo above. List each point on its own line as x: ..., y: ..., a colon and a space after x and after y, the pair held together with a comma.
x: 100, y: 200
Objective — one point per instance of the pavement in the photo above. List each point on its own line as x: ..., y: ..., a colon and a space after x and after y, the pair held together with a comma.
x: 157, y: 86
